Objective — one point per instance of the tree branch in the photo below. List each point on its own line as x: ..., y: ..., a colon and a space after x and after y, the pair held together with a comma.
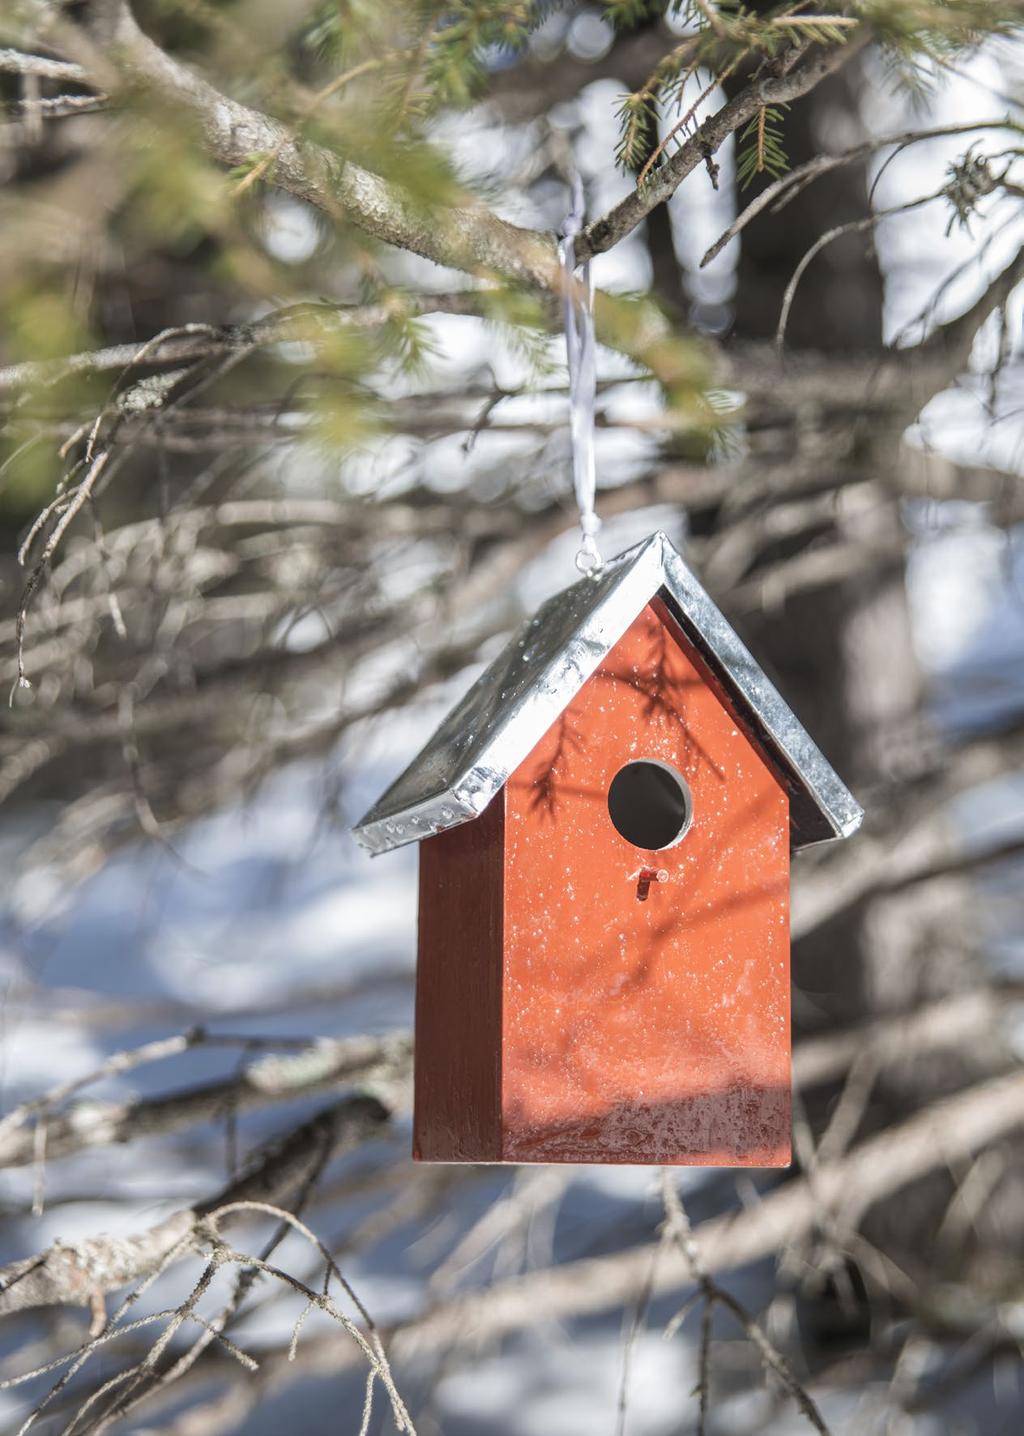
x: 43, y: 67
x: 708, y: 138
x: 952, y: 1022
x: 286, y: 1077
x: 188, y: 344
x: 942, y: 1134
x: 73, y: 1273
x: 951, y: 343
x: 469, y: 238
x: 778, y: 194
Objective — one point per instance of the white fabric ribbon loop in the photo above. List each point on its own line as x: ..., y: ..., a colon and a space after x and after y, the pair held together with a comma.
x: 582, y: 361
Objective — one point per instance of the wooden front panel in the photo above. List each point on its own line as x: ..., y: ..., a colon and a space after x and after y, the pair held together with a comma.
x: 657, y: 1030
x: 458, y: 992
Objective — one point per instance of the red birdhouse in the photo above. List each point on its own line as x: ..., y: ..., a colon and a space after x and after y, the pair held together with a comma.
x: 606, y: 822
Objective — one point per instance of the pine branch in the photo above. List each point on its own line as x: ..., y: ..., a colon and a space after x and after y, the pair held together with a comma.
x: 302, y: 322
x: 468, y: 237
x: 761, y: 147
x: 604, y: 233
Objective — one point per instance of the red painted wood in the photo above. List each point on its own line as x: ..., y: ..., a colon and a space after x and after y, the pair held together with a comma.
x: 458, y: 992
x: 654, y: 1030
x: 583, y: 1000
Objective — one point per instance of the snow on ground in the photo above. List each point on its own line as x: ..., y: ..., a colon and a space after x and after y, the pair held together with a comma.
x: 272, y: 904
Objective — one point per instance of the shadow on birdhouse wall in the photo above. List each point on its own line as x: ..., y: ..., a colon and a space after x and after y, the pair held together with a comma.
x: 604, y: 947
x: 624, y: 1030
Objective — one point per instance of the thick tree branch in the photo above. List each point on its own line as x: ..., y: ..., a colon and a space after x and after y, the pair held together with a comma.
x: 469, y: 238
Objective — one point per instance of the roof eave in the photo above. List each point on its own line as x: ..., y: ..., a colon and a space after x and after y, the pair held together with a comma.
x: 822, y: 808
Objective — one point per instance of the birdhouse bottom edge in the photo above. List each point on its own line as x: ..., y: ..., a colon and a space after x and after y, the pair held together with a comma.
x: 738, y: 1127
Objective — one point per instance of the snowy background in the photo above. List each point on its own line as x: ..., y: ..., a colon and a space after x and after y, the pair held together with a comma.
x: 272, y: 921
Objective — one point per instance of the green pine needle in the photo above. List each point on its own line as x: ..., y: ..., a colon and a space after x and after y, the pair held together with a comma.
x: 761, y: 149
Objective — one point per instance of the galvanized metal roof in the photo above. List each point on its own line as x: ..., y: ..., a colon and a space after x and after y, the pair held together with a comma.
x: 511, y: 706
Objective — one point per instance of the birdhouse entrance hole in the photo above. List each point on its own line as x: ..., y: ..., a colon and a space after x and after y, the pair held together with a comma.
x: 650, y: 804
x: 608, y: 814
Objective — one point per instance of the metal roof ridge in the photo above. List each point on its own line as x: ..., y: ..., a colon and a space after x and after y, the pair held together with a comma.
x: 506, y: 712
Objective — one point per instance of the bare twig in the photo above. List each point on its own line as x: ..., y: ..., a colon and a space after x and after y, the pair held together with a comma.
x: 70, y: 1273
x: 780, y: 192
x: 679, y: 1231
x: 18, y: 62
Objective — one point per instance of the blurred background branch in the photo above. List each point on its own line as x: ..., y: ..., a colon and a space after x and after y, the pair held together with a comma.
x: 283, y: 457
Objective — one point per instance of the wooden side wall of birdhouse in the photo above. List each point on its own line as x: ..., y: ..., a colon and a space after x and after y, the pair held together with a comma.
x: 457, y: 1116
